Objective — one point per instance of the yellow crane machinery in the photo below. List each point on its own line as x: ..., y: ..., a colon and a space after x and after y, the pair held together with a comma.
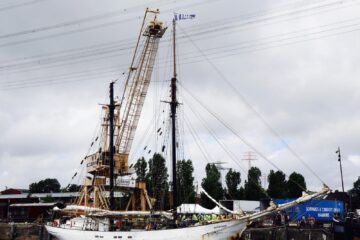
x: 126, y: 117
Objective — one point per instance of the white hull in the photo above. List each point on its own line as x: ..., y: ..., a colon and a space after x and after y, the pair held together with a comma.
x: 218, y: 231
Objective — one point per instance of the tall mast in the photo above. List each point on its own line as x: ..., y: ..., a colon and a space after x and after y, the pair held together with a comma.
x: 174, y: 104
x: 111, y: 145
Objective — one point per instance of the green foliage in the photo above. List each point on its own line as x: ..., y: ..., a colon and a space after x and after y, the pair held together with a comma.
x: 355, y: 194
x: 277, y: 184
x: 157, y: 182
x: 71, y: 188
x: 295, y: 185
x: 212, y: 185
x: 241, y: 193
x: 233, y: 180
x: 185, y: 182
x: 48, y: 199
x: 252, y: 187
x: 141, y: 169
x: 48, y: 185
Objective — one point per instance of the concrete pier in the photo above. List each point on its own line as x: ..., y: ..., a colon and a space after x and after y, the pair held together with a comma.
x: 23, y: 231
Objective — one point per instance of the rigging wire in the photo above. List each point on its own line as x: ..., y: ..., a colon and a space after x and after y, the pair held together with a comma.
x: 244, y: 100
x: 231, y: 129
x: 198, y: 142
x: 232, y: 156
x: 82, y: 167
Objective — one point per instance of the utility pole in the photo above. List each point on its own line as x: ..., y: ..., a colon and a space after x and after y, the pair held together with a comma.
x: 339, y: 159
x: 249, y: 156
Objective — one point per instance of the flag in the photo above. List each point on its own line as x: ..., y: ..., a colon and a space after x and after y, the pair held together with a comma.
x: 179, y: 16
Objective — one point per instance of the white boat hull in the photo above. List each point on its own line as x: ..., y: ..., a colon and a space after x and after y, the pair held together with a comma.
x: 217, y: 231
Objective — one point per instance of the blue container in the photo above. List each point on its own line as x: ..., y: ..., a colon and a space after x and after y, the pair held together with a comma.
x: 321, y: 210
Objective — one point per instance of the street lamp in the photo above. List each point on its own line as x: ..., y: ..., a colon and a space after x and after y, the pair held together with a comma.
x: 339, y: 159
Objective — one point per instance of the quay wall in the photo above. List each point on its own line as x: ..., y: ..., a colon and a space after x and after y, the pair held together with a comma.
x: 23, y: 231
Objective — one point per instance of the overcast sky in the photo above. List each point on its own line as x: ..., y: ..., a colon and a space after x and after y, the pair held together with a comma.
x: 265, y: 68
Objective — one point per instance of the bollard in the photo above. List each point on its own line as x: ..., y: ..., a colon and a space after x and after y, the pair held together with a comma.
x: 13, y: 231
x: 41, y: 232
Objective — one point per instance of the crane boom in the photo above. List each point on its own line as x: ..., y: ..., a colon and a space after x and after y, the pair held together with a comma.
x: 128, y: 109
x: 135, y: 90
x: 105, y: 165
x: 138, y: 87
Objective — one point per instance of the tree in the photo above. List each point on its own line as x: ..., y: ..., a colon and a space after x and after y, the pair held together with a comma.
x: 157, y: 181
x: 252, y: 187
x: 141, y: 169
x: 48, y: 185
x: 71, y: 188
x: 212, y: 185
x: 277, y: 184
x: 233, y: 180
x: 295, y: 185
x: 355, y: 194
x: 185, y: 182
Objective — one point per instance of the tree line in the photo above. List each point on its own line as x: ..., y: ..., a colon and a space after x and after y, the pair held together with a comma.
x: 155, y: 173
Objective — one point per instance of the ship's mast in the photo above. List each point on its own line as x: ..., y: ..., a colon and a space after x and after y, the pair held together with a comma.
x: 173, y: 104
x: 111, y: 145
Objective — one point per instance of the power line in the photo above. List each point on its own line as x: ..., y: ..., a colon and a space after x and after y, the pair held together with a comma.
x: 247, y: 46
x: 98, y: 26
x: 223, y: 51
x: 107, y: 24
x: 20, y: 5
x: 50, y: 83
x: 212, y: 31
x: 254, y: 49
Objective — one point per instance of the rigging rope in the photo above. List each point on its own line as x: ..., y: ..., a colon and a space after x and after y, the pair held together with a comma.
x: 246, y: 102
x: 236, y: 134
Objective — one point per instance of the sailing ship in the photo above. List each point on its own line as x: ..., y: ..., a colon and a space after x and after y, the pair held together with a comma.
x: 93, y: 216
